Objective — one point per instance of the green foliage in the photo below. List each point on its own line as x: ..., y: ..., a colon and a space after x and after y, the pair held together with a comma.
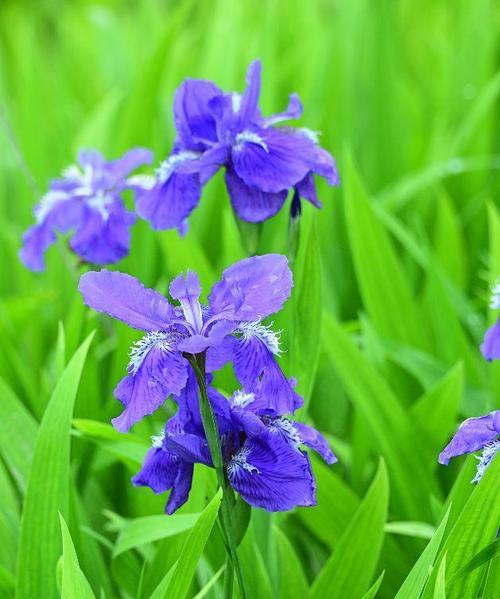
x: 74, y: 584
x: 47, y: 491
x: 382, y: 330
x: 350, y: 569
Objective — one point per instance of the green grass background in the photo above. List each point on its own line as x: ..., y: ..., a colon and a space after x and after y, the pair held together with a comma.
x: 382, y: 331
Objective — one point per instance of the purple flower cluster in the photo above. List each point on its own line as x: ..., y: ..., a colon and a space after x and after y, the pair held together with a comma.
x: 87, y: 200
x: 262, y: 162
x: 261, y: 446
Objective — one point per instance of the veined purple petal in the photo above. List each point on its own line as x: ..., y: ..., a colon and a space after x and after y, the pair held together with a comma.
x: 273, y: 159
x: 473, y: 435
x: 190, y: 448
x: 249, y: 422
x: 270, y: 474
x: 170, y: 201
x: 220, y: 354
x: 490, y: 348
x: 125, y: 298
x: 250, y: 98
x: 194, y: 120
x: 181, y: 488
x: 250, y: 203
x: 253, y: 288
x: 158, y: 472
x: 314, y: 439
x: 256, y: 368
x: 156, y: 371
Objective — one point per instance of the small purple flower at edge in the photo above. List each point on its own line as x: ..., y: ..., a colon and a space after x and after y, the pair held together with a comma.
x: 260, y: 445
x: 87, y: 199
x: 475, y: 434
x: 262, y: 161
x: 490, y: 347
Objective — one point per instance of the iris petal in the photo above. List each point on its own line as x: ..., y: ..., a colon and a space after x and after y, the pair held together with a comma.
x: 270, y: 474
x: 473, y: 435
x: 278, y: 161
x: 161, y: 373
x: 253, y: 288
x: 250, y: 203
x: 124, y: 297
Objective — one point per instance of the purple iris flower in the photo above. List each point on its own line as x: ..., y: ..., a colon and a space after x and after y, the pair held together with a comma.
x: 475, y: 434
x: 228, y: 328
x: 490, y: 347
x: 87, y: 199
x: 263, y: 454
x: 262, y: 161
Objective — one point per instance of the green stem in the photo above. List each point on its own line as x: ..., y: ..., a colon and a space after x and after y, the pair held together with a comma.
x: 213, y: 439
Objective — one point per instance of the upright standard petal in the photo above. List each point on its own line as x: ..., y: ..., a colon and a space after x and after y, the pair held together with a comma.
x: 473, y: 435
x: 187, y: 289
x: 250, y: 203
x: 156, y: 371
x: 272, y: 159
x: 270, y: 474
x: 253, y: 288
x: 490, y: 348
x: 194, y: 120
x: 126, y: 299
x: 250, y: 99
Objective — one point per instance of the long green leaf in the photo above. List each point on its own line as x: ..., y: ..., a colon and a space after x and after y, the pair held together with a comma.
x: 48, y: 488
x: 305, y: 341
x: 18, y: 431
x: 140, y: 531
x: 74, y: 583
x: 416, y: 579
x: 370, y: 393
x: 382, y: 283
x: 178, y: 579
x: 293, y: 583
x: 373, y: 590
x: 474, y: 529
x: 350, y: 569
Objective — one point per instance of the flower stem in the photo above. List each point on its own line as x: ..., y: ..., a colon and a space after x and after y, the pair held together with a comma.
x: 213, y: 439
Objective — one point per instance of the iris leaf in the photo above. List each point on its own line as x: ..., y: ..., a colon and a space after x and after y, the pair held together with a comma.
x: 349, y: 570
x: 177, y: 581
x: 74, y: 583
x: 48, y: 487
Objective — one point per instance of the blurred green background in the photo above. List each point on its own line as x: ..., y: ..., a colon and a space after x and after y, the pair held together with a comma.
x: 405, y: 94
